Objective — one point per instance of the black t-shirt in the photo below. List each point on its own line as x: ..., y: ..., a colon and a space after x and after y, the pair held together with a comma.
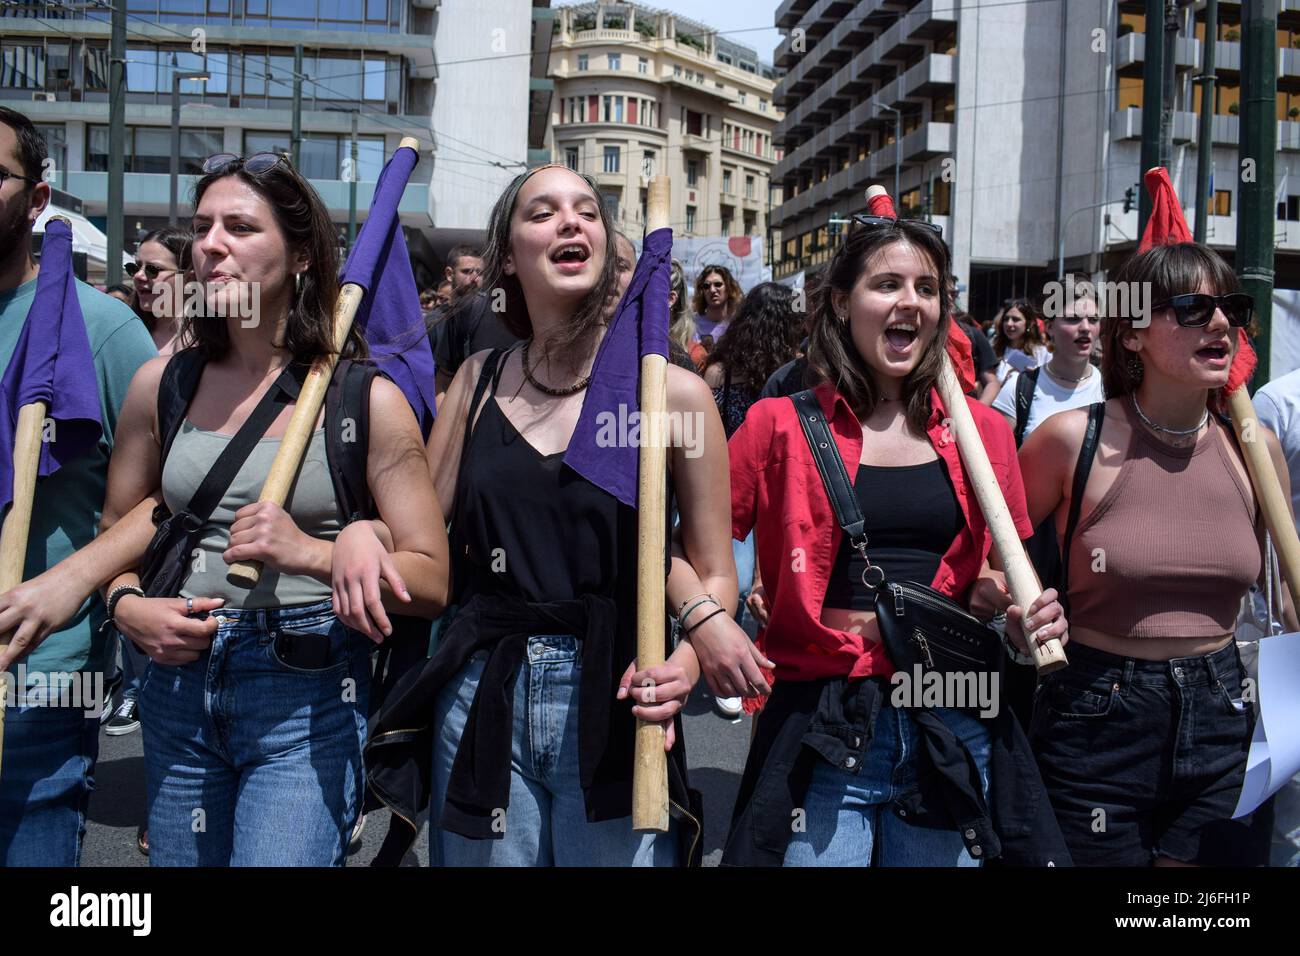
x: 985, y: 358
x: 471, y: 326
x: 787, y: 380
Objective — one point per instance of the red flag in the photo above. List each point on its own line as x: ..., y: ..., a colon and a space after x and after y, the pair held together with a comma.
x: 959, y: 347
x: 1168, y: 226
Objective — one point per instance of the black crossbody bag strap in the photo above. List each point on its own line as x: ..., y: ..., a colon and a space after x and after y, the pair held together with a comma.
x: 1025, y: 385
x: 1082, y: 468
x: 218, y: 479
x: 830, y: 465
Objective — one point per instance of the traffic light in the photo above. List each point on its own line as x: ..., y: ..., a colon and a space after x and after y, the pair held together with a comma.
x: 1130, y: 198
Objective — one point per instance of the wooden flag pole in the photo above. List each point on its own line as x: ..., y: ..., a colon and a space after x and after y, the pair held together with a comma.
x: 650, y: 771
x: 1022, y: 580
x: 1268, y: 491
x: 311, y: 399
x: 18, y: 523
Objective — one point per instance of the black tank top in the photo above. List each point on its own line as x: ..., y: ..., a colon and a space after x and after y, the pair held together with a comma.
x: 912, y: 517
x: 527, y: 524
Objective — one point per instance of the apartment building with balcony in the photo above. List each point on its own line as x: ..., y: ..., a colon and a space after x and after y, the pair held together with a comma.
x: 1018, y: 121
x: 375, y: 58
x: 640, y: 91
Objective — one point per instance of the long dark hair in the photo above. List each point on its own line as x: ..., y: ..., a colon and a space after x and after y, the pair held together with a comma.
x: 178, y: 241
x: 831, y: 352
x: 305, y: 223
x: 1033, y: 335
x: 763, y: 335
x: 733, y: 289
x: 1165, y: 271
x: 506, y: 295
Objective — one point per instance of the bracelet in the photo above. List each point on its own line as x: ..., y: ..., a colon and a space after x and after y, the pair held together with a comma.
x: 1014, y: 654
x: 720, y: 610
x: 116, y: 595
x: 681, y: 607
x: 705, y: 599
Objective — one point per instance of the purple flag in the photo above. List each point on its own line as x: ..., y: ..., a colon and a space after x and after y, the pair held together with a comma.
x: 599, y: 450
x: 390, y: 316
x: 52, y: 363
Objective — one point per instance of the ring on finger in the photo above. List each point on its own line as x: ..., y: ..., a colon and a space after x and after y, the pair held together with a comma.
x: 189, y: 607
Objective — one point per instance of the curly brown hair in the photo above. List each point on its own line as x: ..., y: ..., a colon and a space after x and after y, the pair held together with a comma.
x: 763, y: 335
x: 733, y: 289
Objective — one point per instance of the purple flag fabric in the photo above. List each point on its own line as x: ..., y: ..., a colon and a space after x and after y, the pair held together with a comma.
x: 390, y: 316
x: 600, y: 450
x: 52, y: 363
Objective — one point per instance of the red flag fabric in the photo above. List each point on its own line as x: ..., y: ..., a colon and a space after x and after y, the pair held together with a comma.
x: 1168, y: 226
x: 959, y: 347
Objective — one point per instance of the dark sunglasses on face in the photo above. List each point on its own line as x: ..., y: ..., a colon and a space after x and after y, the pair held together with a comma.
x: 229, y: 162
x: 1195, y: 309
x: 877, y: 222
x: 6, y: 174
x: 150, y: 270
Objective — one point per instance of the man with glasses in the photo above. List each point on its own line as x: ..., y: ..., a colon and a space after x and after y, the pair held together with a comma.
x: 50, y: 751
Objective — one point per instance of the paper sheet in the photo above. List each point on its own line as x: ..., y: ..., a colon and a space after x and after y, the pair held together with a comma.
x: 1274, y: 756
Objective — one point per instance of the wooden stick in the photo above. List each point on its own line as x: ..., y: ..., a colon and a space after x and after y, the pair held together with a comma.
x: 284, y: 469
x: 1268, y: 490
x: 650, y: 771
x: 18, y: 523
x: 1022, y: 580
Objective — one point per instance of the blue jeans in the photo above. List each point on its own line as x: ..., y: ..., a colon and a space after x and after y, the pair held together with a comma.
x: 45, y: 784
x: 134, y: 665
x: 252, y: 761
x: 546, y: 822
x: 848, y: 820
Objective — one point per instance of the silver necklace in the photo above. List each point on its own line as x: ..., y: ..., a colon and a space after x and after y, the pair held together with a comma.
x: 1183, y: 433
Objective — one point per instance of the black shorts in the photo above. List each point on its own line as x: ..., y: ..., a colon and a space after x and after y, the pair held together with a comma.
x: 1144, y: 758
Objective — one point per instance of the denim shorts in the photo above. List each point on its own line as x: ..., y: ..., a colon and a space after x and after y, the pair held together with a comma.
x: 252, y: 759
x: 1142, y: 758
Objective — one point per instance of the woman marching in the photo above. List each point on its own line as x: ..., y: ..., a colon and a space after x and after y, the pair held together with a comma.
x: 832, y: 745
x: 1018, y: 344
x: 531, y: 750
x: 1142, y: 741
x: 254, y: 706
x: 162, y: 269
x: 717, y: 296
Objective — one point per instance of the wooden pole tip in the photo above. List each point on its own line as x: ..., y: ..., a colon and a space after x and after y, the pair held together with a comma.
x: 875, y: 190
x: 411, y: 142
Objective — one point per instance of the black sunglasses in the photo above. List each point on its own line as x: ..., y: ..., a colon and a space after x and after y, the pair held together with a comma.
x: 1194, y: 310
x: 877, y: 222
x: 150, y: 270
x: 255, y: 164
x: 5, y: 174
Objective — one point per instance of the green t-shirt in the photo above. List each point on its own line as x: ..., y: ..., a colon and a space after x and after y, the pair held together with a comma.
x: 66, y: 514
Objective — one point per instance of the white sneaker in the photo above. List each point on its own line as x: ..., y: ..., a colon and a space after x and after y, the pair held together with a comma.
x: 729, y: 706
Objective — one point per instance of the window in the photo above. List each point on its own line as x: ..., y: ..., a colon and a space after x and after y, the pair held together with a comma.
x: 750, y: 224
x: 324, y: 155
x: 690, y: 218
x: 611, y: 159
x: 677, y: 69
x: 726, y: 225
x: 749, y: 187
x: 642, y: 65
x: 692, y: 173
x: 611, y: 205
x: 615, y: 61
x: 648, y: 163
x: 56, y: 145
x: 742, y: 97
x: 762, y: 105
x: 694, y: 123
x: 148, y: 149
x: 1289, y: 211
x: 726, y: 182
x: 582, y: 61
x: 571, y: 157
x: 607, y: 103
x: 1222, y: 203
x: 618, y: 109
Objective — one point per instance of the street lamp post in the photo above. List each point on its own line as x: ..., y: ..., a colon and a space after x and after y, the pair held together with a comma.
x: 898, y: 145
x: 177, y: 79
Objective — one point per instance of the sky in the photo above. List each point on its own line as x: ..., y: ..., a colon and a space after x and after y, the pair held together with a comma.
x: 741, y: 21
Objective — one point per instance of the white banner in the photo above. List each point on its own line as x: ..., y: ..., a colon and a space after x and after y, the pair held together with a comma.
x: 742, y: 256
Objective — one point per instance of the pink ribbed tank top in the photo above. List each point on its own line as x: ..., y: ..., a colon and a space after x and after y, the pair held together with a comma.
x: 1171, y: 548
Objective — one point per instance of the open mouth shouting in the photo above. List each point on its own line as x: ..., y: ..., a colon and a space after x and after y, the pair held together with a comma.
x: 901, y: 337
x: 571, y: 258
x: 1216, y: 354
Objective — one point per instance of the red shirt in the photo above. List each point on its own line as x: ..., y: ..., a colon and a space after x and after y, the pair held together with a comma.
x: 777, y: 490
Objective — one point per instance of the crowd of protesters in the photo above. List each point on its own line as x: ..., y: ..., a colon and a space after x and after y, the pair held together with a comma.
x: 514, y: 575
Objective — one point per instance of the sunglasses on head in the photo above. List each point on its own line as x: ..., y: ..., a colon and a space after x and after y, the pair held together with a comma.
x: 878, y: 222
x: 150, y: 270
x: 1195, y: 309
x: 229, y: 162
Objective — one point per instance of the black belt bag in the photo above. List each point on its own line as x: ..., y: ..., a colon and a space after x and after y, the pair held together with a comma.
x: 921, y: 627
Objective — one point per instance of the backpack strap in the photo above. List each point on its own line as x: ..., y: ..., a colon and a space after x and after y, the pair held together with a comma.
x: 180, y: 380
x: 347, y: 437
x: 1025, y: 385
x: 1082, y: 468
